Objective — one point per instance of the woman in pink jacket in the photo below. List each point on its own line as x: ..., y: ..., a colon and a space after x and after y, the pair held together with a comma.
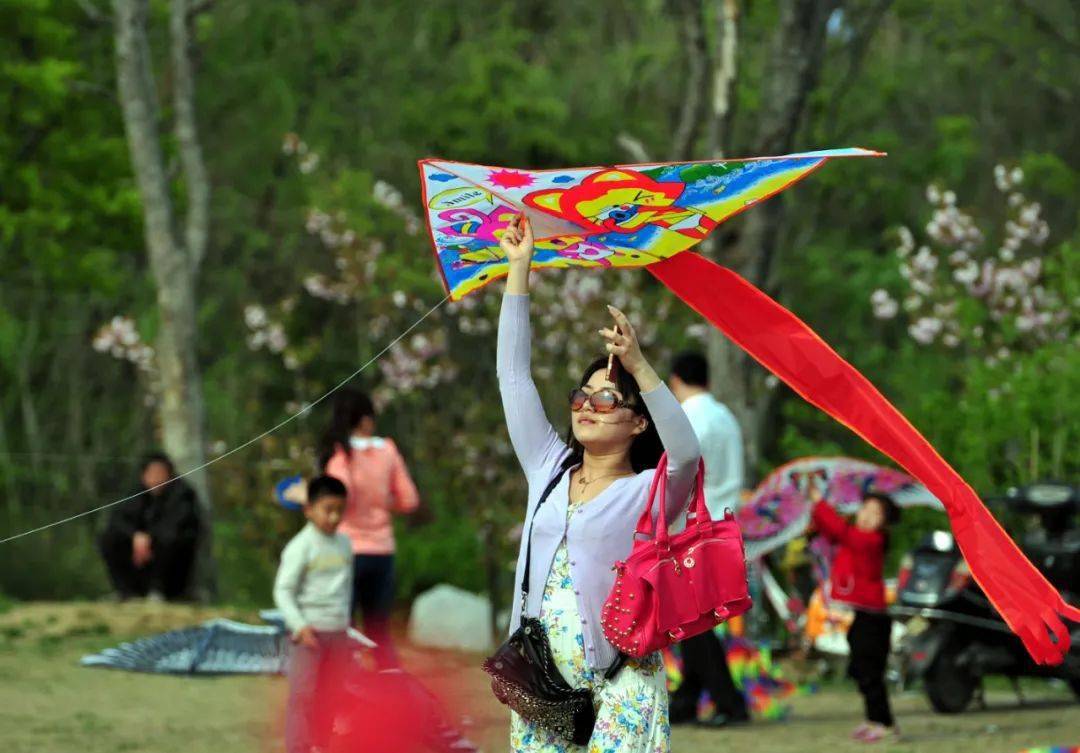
x: 378, y: 485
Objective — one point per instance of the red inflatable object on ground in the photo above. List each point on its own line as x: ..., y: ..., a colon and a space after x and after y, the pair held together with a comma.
x: 782, y: 343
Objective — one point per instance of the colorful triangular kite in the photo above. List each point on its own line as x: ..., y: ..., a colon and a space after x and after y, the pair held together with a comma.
x: 601, y: 217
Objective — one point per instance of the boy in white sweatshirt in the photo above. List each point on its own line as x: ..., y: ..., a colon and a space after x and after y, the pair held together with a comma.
x: 312, y: 589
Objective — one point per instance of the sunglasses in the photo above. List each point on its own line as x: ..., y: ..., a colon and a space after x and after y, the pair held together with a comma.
x: 602, y: 401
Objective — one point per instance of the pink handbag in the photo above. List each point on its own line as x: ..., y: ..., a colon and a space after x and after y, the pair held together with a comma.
x: 672, y: 588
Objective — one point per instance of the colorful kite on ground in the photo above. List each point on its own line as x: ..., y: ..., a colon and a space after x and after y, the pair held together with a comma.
x: 779, y: 508
x: 647, y: 215
x: 762, y: 684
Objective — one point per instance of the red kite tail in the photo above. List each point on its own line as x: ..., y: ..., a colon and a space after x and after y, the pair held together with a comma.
x: 792, y: 351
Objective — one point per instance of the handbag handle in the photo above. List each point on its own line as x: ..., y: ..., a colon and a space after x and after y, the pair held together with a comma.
x: 658, y: 489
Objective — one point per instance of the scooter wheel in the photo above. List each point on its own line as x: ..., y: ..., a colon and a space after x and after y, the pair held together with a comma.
x: 949, y: 686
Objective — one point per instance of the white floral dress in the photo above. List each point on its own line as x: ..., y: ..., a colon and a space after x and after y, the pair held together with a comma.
x: 632, y: 710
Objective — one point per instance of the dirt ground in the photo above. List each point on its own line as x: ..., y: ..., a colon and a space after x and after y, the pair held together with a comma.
x: 48, y: 704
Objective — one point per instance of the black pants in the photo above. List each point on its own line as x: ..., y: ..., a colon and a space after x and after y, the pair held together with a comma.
x: 373, y: 593
x: 869, y: 638
x: 705, y: 668
x: 167, y: 572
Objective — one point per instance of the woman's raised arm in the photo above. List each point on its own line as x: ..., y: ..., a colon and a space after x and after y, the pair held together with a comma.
x: 534, y: 439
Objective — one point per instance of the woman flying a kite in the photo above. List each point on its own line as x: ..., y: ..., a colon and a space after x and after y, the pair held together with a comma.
x: 585, y: 496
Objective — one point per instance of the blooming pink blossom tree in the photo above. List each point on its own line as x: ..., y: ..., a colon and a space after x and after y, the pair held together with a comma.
x: 984, y: 293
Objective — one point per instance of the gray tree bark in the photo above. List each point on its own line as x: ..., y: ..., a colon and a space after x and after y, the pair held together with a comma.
x: 691, y: 16
x: 796, y: 54
x: 174, y: 257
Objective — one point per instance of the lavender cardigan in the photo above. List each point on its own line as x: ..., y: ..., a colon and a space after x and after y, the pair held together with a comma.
x: 601, y: 531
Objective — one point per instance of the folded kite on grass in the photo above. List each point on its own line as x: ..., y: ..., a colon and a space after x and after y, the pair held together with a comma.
x: 647, y: 215
x: 216, y: 647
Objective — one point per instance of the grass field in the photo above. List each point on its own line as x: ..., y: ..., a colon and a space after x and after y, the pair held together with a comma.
x: 48, y: 704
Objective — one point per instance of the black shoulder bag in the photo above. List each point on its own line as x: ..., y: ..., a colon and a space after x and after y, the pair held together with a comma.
x: 524, y: 675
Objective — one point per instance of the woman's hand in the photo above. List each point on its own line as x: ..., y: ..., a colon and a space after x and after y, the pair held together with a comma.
x: 517, y: 243
x: 815, y: 483
x: 622, y: 342
x: 141, y: 549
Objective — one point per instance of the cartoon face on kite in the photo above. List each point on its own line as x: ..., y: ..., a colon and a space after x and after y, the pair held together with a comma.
x: 621, y: 201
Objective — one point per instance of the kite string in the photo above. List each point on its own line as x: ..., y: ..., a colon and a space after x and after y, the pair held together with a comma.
x: 246, y: 444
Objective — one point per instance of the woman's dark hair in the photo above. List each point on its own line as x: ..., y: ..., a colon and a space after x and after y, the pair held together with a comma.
x: 350, y: 407
x: 646, y: 449
x: 888, y: 506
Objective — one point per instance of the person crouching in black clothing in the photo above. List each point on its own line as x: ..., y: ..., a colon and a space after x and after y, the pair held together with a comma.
x: 149, y: 542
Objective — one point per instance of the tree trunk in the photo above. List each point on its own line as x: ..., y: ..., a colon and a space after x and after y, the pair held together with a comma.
x: 794, y: 62
x: 692, y: 22
x: 35, y: 438
x: 76, y: 368
x: 173, y: 262
x: 725, y: 72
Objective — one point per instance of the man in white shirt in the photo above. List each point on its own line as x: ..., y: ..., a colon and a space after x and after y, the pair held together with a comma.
x: 705, y: 664
x: 717, y: 431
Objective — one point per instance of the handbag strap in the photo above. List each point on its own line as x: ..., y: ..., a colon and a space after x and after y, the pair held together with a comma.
x: 528, y: 544
x: 699, y: 511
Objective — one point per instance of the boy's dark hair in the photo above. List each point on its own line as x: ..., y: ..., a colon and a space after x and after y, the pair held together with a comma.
x: 325, y: 486
x: 888, y: 504
x: 157, y: 457
x: 692, y: 368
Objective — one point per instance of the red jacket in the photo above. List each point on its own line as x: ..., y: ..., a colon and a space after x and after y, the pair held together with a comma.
x: 859, y: 564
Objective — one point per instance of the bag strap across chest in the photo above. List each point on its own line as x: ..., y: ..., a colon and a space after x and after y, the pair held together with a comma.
x: 528, y: 544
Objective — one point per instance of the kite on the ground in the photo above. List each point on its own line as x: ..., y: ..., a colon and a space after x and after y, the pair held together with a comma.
x: 216, y: 647
x: 649, y: 215
x: 762, y: 684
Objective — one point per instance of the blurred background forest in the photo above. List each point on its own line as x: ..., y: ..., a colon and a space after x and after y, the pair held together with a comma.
x: 289, y: 247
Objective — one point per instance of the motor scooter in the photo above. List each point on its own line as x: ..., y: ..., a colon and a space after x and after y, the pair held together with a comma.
x: 955, y: 637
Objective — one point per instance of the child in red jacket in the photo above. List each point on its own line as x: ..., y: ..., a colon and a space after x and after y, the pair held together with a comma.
x: 857, y: 580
